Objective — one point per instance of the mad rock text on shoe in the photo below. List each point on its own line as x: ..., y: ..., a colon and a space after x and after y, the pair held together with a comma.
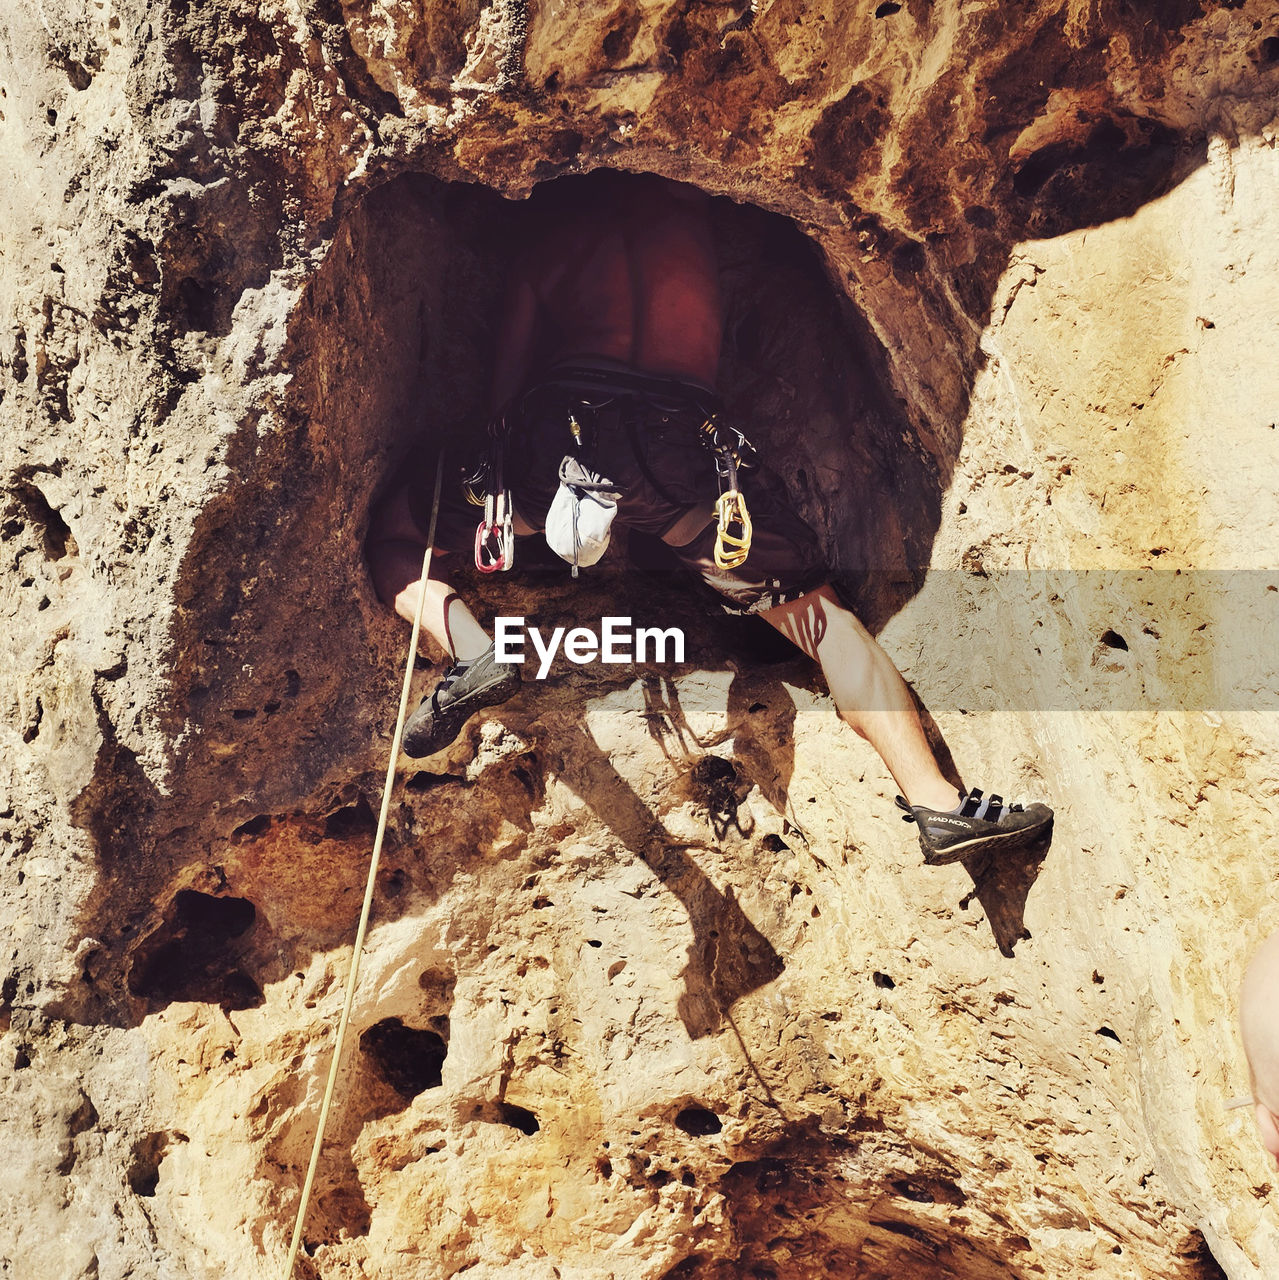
x: 615, y: 641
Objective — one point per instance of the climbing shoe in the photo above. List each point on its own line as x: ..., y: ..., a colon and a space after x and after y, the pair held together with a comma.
x: 979, y: 825
x: 466, y: 688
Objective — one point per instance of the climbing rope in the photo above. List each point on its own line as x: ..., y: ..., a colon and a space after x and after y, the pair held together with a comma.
x: 358, y: 950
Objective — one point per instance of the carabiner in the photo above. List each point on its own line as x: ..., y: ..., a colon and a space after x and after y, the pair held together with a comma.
x: 732, y: 548
x: 508, y: 534
x: 495, y: 535
x: 490, y: 551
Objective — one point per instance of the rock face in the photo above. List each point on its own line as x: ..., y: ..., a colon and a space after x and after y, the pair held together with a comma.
x: 656, y: 986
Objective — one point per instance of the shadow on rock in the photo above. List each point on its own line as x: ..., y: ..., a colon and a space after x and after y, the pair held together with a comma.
x: 1002, y: 884
x: 729, y: 957
x: 795, y: 1199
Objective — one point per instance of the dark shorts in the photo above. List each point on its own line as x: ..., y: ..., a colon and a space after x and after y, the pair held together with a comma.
x: 646, y: 442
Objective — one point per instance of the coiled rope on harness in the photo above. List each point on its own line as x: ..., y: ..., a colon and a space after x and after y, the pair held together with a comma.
x: 367, y: 909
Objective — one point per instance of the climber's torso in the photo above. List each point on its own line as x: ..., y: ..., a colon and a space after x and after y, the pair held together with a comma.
x: 621, y: 267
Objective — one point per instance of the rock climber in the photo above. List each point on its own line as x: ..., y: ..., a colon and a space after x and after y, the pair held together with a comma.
x: 1259, y: 1030
x: 607, y: 353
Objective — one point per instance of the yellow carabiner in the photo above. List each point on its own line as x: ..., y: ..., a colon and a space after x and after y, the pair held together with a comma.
x: 731, y: 549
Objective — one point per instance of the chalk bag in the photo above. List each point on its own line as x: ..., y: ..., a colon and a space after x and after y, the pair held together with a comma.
x: 581, y: 514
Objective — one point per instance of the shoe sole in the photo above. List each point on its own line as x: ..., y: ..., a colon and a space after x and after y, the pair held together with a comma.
x: 984, y: 844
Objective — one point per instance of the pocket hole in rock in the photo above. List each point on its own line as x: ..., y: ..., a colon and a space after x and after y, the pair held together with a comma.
x: 517, y: 1118
x: 698, y: 1122
x: 354, y: 820
x: 408, y: 1059
x: 191, y: 956
x: 423, y: 781
x: 144, y: 1170
x: 32, y: 731
x: 56, y: 538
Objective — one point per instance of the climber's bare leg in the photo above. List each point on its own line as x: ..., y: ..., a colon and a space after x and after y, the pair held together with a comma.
x: 394, y: 549
x: 868, y: 691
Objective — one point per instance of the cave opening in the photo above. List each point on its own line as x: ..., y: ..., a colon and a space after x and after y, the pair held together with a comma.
x: 390, y: 352
x: 399, y: 334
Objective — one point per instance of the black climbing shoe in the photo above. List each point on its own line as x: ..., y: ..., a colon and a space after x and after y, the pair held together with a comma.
x: 464, y: 690
x: 947, y: 837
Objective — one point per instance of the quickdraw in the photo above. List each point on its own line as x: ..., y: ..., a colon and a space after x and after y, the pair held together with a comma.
x: 495, y: 535
x: 734, y: 530
x: 732, y: 547
x: 485, y: 487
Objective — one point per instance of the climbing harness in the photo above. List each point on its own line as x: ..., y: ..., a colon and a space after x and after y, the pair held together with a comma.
x: 366, y: 911
x: 588, y: 501
x: 727, y: 445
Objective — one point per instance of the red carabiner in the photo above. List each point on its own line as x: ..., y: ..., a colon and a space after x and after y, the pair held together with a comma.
x: 490, y: 552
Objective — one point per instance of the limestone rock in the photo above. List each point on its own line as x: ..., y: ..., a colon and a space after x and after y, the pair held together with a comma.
x: 656, y: 986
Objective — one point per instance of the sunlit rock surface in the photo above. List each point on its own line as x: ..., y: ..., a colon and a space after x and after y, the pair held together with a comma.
x: 656, y: 986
